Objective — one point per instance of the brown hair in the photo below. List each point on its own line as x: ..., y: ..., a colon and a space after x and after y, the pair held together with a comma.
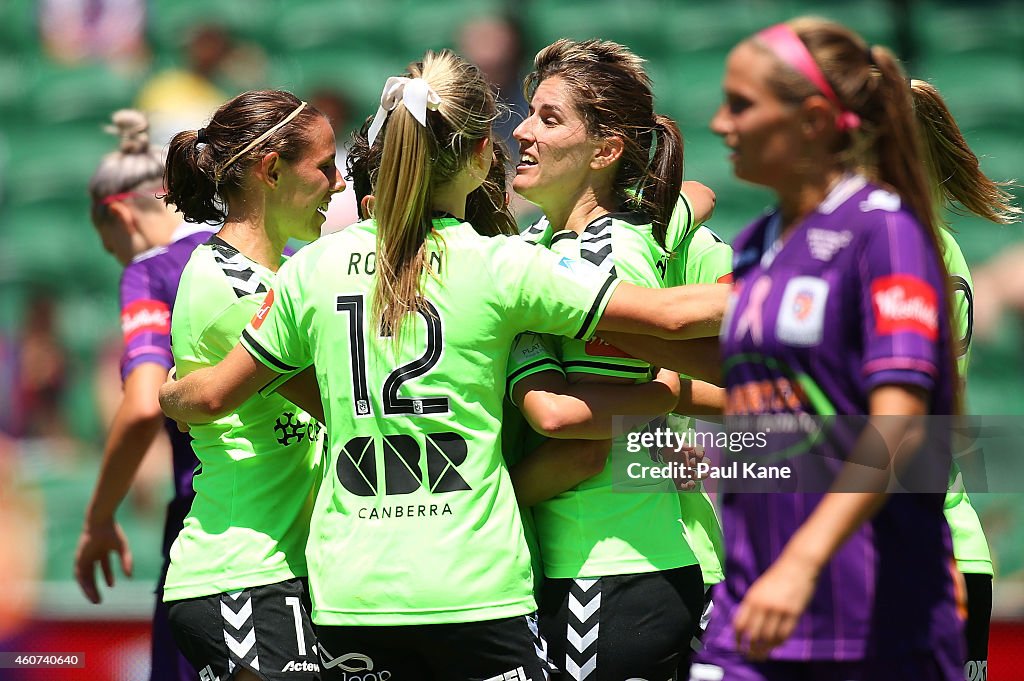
x: 135, y: 164
x: 953, y: 169
x: 414, y: 161
x: 612, y: 93
x: 200, y: 177
x: 362, y: 161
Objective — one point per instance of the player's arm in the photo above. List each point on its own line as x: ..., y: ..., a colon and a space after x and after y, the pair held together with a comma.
x: 700, y: 398
x: 559, y: 409
x: 211, y: 392
x: 774, y: 603
x: 702, y: 200
x: 677, y: 313
x: 303, y: 390
x: 697, y: 358
x: 135, y: 425
x: 557, y: 466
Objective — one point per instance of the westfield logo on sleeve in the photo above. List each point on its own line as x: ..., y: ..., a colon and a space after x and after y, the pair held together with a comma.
x: 145, y: 316
x: 905, y: 303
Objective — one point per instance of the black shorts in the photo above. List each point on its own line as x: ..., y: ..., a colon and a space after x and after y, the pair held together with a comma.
x: 697, y: 642
x: 979, y: 613
x: 265, y: 629
x: 622, y: 626
x: 506, y: 649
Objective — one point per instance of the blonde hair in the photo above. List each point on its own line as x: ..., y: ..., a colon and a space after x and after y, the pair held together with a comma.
x: 417, y: 159
x: 135, y: 164
x: 953, y: 169
x: 869, y: 81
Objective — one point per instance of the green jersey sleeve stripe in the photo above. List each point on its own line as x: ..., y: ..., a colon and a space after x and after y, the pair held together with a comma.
x: 689, y: 211
x: 273, y: 384
x: 534, y: 367
x: 263, y: 355
x: 590, y: 321
x: 607, y: 366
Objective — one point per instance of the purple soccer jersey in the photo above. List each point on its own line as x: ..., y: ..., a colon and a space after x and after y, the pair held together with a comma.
x: 852, y: 300
x: 149, y: 285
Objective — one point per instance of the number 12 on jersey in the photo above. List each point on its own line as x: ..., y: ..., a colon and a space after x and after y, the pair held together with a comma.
x: 391, y: 402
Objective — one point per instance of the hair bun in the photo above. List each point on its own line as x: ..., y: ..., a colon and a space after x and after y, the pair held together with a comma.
x: 132, y: 127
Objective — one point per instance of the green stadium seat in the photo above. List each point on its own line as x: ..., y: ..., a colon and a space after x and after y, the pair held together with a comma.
x: 50, y: 240
x: 170, y: 20
x: 14, y: 93
x: 19, y: 28
x: 52, y: 162
x: 951, y: 27
x: 347, y: 25
x: 360, y: 73
x: 634, y: 24
x: 90, y: 92
x: 421, y: 26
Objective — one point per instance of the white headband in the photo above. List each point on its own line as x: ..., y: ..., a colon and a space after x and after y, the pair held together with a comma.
x: 268, y: 133
x: 415, y: 93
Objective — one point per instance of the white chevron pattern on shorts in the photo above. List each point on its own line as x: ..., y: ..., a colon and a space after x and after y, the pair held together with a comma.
x: 239, y: 629
x: 581, y: 643
x: 579, y: 673
x: 242, y: 648
x: 706, y: 672
x: 582, y: 628
x: 583, y: 612
x: 236, y: 619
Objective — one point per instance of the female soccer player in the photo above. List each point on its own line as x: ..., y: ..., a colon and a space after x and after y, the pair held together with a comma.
x: 418, y: 563
x: 957, y: 181
x: 606, y: 171
x: 236, y: 588
x: 840, y: 309
x: 153, y: 244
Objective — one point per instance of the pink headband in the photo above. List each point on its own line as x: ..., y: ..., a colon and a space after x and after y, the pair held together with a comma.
x: 107, y: 200
x: 787, y: 46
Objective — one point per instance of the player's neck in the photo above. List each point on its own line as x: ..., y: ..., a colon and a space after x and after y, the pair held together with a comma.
x: 589, y: 207
x: 157, y: 228
x: 805, y: 198
x: 253, y: 241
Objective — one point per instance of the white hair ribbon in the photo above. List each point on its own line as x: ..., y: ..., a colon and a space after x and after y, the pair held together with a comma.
x: 415, y: 93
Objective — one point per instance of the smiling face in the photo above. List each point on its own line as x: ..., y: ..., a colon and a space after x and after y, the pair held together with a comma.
x: 762, y: 131
x: 555, y: 148
x: 307, y: 183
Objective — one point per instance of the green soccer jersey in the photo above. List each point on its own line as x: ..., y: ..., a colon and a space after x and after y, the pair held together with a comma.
x: 612, y: 524
x: 531, y: 353
x: 969, y: 545
x: 417, y: 522
x: 259, y: 466
x: 539, y: 233
x: 701, y: 258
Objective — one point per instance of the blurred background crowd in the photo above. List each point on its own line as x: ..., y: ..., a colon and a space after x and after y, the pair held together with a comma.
x: 65, y: 65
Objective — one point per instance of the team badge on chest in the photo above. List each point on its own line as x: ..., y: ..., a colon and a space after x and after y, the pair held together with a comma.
x: 802, y: 312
